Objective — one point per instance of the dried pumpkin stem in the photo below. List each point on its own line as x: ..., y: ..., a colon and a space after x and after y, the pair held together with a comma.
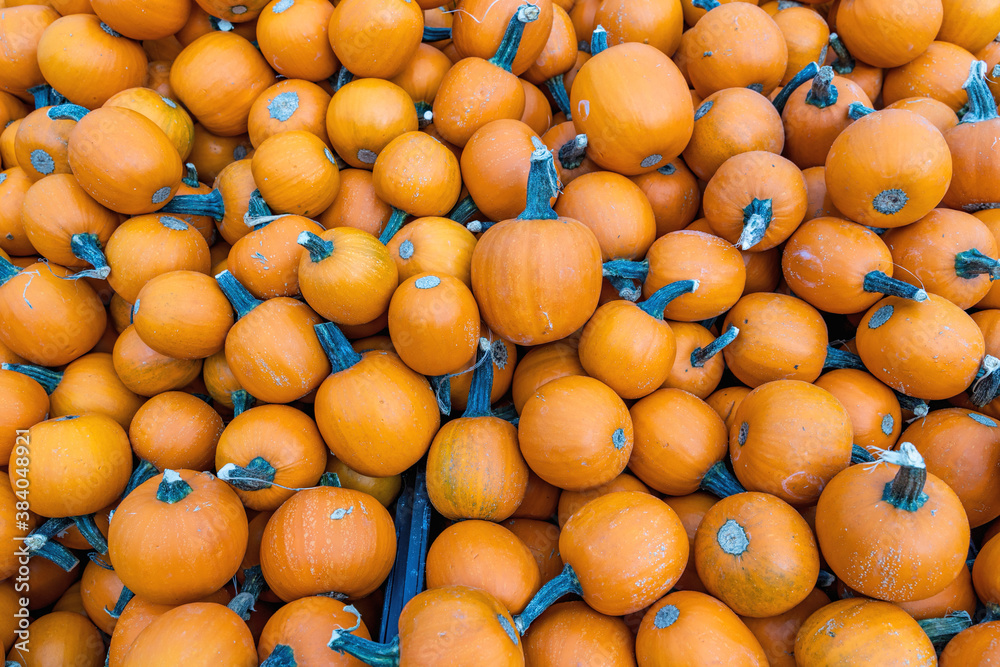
x: 543, y: 184
x: 971, y: 263
x: 394, y: 224
x: 756, y: 220
x: 441, y: 384
x: 209, y: 204
x: 566, y: 583
x: 436, y: 33
x: 48, y: 378
x: 842, y: 359
x: 123, y: 599
x: 88, y: 248
x: 67, y: 112
x: 464, y: 209
x: 143, y: 472
x: 242, y: 401
x: 700, y: 355
x: 805, y: 74
x: 557, y: 86
x: 41, y: 543
x: 478, y: 404
x: 823, y: 93
x: 987, y: 383
x: 572, y: 152
x: 657, y: 303
x: 861, y: 455
x: 253, y: 586
x: 942, y: 630
x: 90, y: 532
x: 880, y: 283
x: 241, y: 299
x: 256, y: 476
x: 479, y: 226
x: 7, y: 271
x: 917, y: 406
x: 365, y: 650
x: 336, y: 346
x: 172, y: 488
x: 281, y: 655
x: 719, y: 481
x: 507, y: 50
x: 626, y: 268
x: 844, y: 64
x: 319, y: 248
x: 981, y: 104
x: 906, y: 490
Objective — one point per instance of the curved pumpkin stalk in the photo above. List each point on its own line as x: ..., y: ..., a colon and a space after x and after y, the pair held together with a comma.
x: 844, y: 63
x: 721, y: 482
x: 123, y: 599
x: 971, y: 263
x: 861, y: 455
x: 40, y: 543
x: 805, y: 74
x: 756, y: 220
x: 942, y: 630
x: 464, y: 209
x: 255, y: 476
x: 841, y: 359
x: 622, y: 272
x: 242, y: 401
x: 566, y: 583
x: 700, y: 355
x: 48, y: 378
x: 658, y: 301
x: 143, y: 472
x: 88, y: 248
x: 240, y: 298
x: 987, y: 383
x: 371, y: 653
x: 823, y: 93
x: 572, y: 152
x: 917, y: 406
x: 981, y: 104
x: 282, y: 655
x: 557, y: 86
x: 253, y: 586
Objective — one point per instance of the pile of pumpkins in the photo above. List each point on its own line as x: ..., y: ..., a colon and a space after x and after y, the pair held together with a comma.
x: 683, y: 307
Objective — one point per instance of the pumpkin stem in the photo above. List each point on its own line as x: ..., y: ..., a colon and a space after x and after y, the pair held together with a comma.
x: 241, y: 299
x: 336, y: 346
x: 507, y: 412
x: 917, y: 406
x: 40, y: 543
x: 67, y: 112
x: 143, y: 472
x: 626, y: 288
x: 330, y: 479
x: 987, y: 382
x: 88, y: 248
x: 543, y: 184
x: 971, y: 263
x: 319, y: 248
x: 564, y: 584
x: 507, y: 50
x: 703, y: 354
x: 436, y: 34
x: 172, y: 488
x: 981, y: 105
x: 572, y: 152
x: 719, y: 481
x: 707, y: 5
x: 879, y: 282
x: 242, y: 401
x: 906, y: 490
x: 841, y: 359
x: 256, y: 208
x: 7, y: 271
x: 343, y: 77
x: 123, y: 599
x: 464, y: 209
x: 805, y: 74
x: 858, y: 110
x: 861, y: 455
x: 394, y: 225
x: 557, y: 86
x: 478, y: 404
x: 256, y: 476
x: 598, y: 40
x: 626, y: 268
x: 253, y: 586
x: 209, y: 204
x: 46, y: 96
x: 823, y: 93
x: 756, y: 220
x: 441, y: 384
x: 477, y: 226
x: 90, y: 532
x: 844, y: 64
x: 942, y: 630
x: 365, y: 650
x: 282, y: 655
x: 48, y: 378
x: 657, y: 303
x: 425, y: 114
x: 190, y: 178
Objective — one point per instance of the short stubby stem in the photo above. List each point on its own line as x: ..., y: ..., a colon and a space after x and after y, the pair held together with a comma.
x: 756, y: 220
x: 971, y: 263
x: 720, y: 482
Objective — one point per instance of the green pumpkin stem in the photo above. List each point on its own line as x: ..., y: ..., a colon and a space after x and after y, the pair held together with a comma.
x: 823, y: 93
x: 191, y: 175
x: 143, y: 472
x: 7, y: 271
x: 906, y: 490
x: 90, y: 532
x: 565, y: 584
x: 436, y: 33
x: 658, y: 301
x: 598, y: 40
x: 917, y: 406
x: 336, y: 346
x: 858, y: 110
x: 942, y: 630
x: 319, y: 248
x: 756, y: 220
x: 88, y: 248
x: 330, y: 479
x: 720, y: 482
x: 464, y: 209
x: 242, y: 401
x: 841, y: 359
x: 256, y: 208
x: 241, y: 299
x: 67, y: 112
x: 700, y: 355
x: 880, y: 283
x: 46, y: 96
x: 256, y: 476
x: 425, y: 116
x: 572, y: 152
x: 844, y: 64
x: 478, y: 404
x: 987, y: 383
x: 342, y: 78
x: 625, y: 287
x: 707, y: 5
x: 281, y: 655
x: 507, y: 50
x: 626, y: 268
x: 805, y: 74
x: 861, y: 455
x: 971, y: 263
x: 253, y: 586
x: 172, y: 488
x: 48, y: 378
x: 123, y: 599
x: 394, y: 224
x: 557, y: 87
x: 981, y: 104
x: 365, y: 650
x: 543, y: 184
x: 210, y: 204
x: 41, y: 543
x: 479, y: 226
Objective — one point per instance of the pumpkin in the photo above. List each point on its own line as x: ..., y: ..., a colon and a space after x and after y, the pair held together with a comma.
x: 142, y: 21
x: 27, y: 404
x: 22, y: 27
x: 182, y: 314
x: 937, y: 112
x: 353, y: 558
x: 383, y: 489
x: 698, y: 366
x: 958, y: 596
x: 20, y: 525
x: 294, y: 38
x: 542, y: 539
x: 391, y: 417
x: 167, y: 553
x: 100, y: 588
x: 421, y: 78
x: 296, y: 173
x: 888, y: 38
x: 571, y: 501
x: 971, y: 188
x: 673, y: 192
x: 976, y: 643
x: 264, y: 476
x: 479, y: 29
x: 570, y: 149
x: 40, y: 141
x: 211, y: 153
x: 356, y: 204
x: 163, y: 111
x: 305, y: 625
x: 938, y: 73
x: 571, y: 633
x: 862, y: 627
x: 176, y: 430
x: 392, y: 32
x: 213, y: 632
x: 806, y: 35
x: 433, y: 245
x: 64, y: 637
x: 146, y: 372
x: 7, y: 137
x: 776, y: 634
x: 267, y: 259
x: 364, y: 116
x: 876, y: 419
x: 291, y: 104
